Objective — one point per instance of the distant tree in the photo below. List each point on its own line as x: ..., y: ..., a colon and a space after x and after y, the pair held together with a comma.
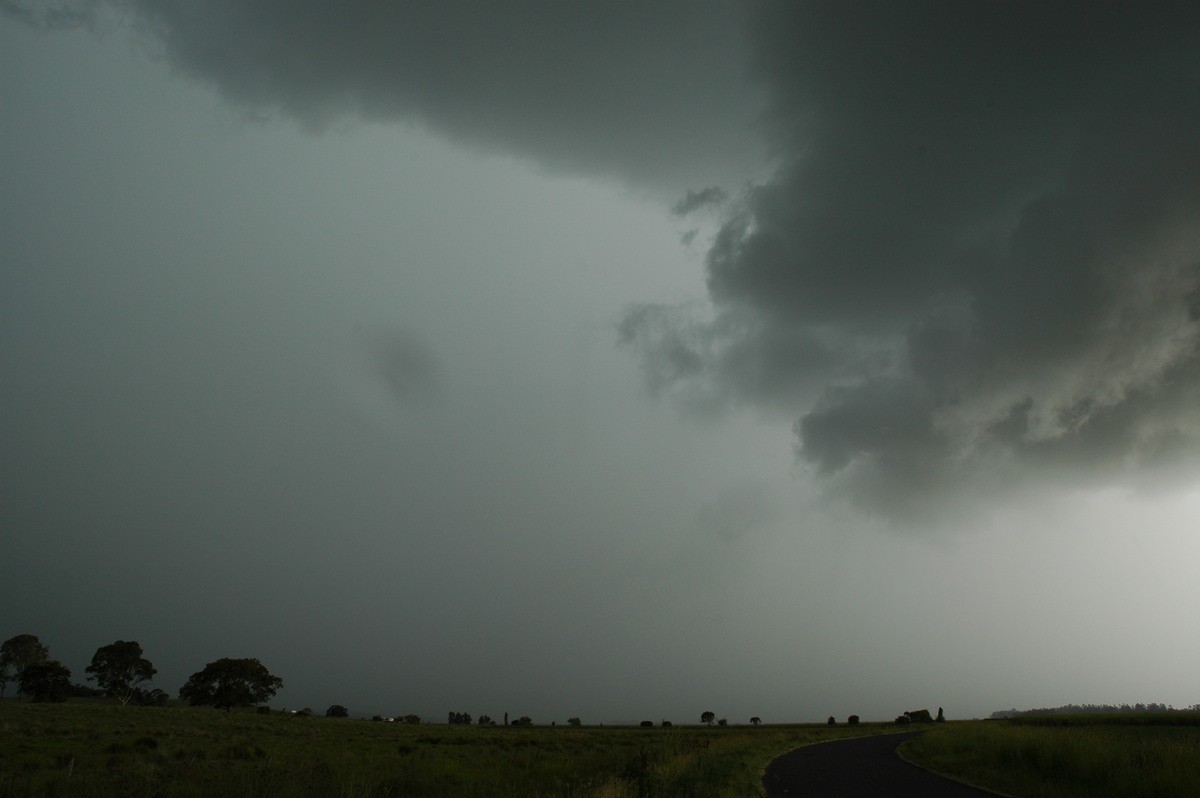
x: 486, y: 720
x: 941, y: 716
x: 228, y: 683
x: 723, y: 722
x: 831, y: 722
x: 337, y: 711
x: 85, y: 691
x: 647, y: 724
x: 852, y: 720
x: 708, y: 717
x: 45, y: 681
x: 524, y: 720
x: 150, y: 698
x: 16, y: 654
x: 119, y: 668
x: 919, y: 716
x: 574, y: 722
x: 414, y: 720
x: 666, y: 724
x: 756, y: 720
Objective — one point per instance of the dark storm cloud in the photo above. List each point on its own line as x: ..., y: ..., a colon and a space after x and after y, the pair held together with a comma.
x: 979, y: 251
x: 695, y: 200
x: 652, y: 93
x: 994, y: 209
x: 50, y: 16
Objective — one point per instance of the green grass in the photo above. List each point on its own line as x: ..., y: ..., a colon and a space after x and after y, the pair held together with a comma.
x: 101, y: 749
x: 1078, y: 756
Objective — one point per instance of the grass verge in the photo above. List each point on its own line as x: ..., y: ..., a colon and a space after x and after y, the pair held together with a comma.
x: 1081, y: 756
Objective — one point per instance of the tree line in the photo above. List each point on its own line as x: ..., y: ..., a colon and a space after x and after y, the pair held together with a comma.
x: 1092, y: 709
x: 121, y: 671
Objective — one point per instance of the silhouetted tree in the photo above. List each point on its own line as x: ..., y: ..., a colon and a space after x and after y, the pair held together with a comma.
x: 18, y: 653
x: 708, y: 717
x: 45, y: 681
x: 666, y: 724
x: 756, y: 720
x: 831, y: 721
x: 228, y: 683
x: 852, y: 720
x: 337, y: 711
x: 574, y: 722
x: 524, y: 720
x: 413, y: 720
x: 941, y: 716
x: 722, y: 722
x: 486, y: 720
x: 119, y: 668
x: 153, y: 698
x: 647, y: 724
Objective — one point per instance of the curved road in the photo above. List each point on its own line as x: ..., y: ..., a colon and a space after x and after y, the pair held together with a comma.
x: 862, y: 767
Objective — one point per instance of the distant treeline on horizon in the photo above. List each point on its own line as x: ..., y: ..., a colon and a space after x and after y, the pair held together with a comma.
x: 1088, y: 709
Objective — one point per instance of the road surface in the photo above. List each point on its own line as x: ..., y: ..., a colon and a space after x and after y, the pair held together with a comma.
x: 863, y: 767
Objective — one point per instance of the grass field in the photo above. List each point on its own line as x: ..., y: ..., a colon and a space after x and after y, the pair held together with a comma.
x: 1069, y: 756
x: 96, y: 748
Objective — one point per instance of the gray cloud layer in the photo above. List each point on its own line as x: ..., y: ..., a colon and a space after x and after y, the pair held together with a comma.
x: 978, y: 256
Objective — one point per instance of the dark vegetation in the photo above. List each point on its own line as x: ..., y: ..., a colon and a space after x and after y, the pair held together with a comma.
x: 1095, y: 709
x: 119, y: 668
x: 97, y: 747
x: 1087, y: 755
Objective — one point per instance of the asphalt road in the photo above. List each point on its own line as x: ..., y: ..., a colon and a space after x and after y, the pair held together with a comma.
x: 864, y: 767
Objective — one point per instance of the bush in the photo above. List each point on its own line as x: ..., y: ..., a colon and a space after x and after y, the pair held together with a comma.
x: 45, y: 681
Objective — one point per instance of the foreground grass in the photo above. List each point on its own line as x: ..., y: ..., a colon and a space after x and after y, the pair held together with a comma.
x: 1081, y: 756
x: 101, y: 749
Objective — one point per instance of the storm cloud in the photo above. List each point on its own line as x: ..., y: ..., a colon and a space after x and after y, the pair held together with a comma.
x: 974, y: 259
x: 982, y: 238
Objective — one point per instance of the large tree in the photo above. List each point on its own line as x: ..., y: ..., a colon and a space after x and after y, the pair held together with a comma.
x: 18, y: 653
x: 45, y: 681
x: 119, y: 668
x: 229, y: 683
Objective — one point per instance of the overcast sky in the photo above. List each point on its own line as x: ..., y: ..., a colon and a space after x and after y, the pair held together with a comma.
x: 613, y: 360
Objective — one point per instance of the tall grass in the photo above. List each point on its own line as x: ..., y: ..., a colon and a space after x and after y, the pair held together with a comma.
x: 1076, y: 757
x: 101, y: 749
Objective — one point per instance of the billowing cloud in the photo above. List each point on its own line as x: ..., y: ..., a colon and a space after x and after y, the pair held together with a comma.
x: 653, y: 94
x: 695, y: 200
x: 977, y: 259
x: 992, y: 211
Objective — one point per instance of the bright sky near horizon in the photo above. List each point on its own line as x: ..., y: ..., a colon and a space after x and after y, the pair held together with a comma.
x: 612, y: 360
